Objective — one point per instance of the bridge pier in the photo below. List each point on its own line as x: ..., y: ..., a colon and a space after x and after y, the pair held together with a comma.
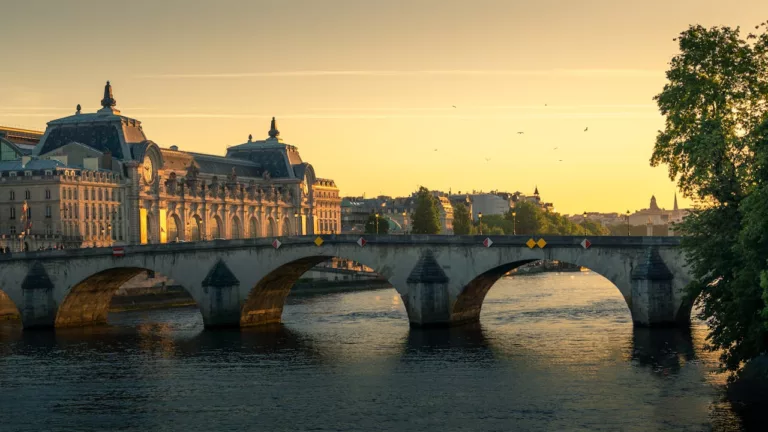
x: 652, y: 303
x: 38, y: 309
x: 220, y: 300
x: 428, y: 300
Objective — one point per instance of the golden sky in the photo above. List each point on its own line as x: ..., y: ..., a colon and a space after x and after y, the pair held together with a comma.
x: 366, y: 88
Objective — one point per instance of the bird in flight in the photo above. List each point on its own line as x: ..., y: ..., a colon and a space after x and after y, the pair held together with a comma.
x: 453, y: 106
x: 487, y: 159
x: 435, y: 149
x: 520, y: 133
x: 555, y: 148
x: 545, y: 104
x: 561, y: 160
x: 586, y: 128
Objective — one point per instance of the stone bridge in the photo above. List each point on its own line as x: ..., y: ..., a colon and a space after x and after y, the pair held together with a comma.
x: 443, y: 280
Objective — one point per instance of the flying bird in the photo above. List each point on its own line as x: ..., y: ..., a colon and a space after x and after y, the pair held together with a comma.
x: 487, y: 159
x: 555, y: 148
x: 586, y: 128
x: 561, y: 160
x: 435, y: 149
x: 453, y: 106
x: 520, y: 133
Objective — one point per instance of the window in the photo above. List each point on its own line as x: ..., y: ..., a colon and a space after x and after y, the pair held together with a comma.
x: 13, y: 229
x: 12, y: 196
x: 119, y: 197
x: 29, y: 213
x: 47, y: 211
x: 87, y: 231
x: 113, y: 195
x: 27, y: 173
x: 86, y: 212
x: 101, y: 197
x: 101, y: 212
x: 12, y: 214
x: 77, y: 212
x: 49, y: 229
x: 75, y: 193
x: 120, y: 232
x: 48, y: 172
x: 27, y: 195
x: 47, y: 194
x: 93, y: 194
x: 93, y: 211
x: 13, y: 174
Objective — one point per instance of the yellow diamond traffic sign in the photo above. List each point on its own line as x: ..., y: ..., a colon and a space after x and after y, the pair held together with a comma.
x: 530, y: 243
x: 318, y: 241
x: 541, y: 243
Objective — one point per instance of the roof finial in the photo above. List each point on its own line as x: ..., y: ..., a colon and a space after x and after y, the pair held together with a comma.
x: 78, y: 109
x: 108, y: 100
x: 273, y: 132
x: 250, y: 137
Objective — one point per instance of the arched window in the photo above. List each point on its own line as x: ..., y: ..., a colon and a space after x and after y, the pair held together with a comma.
x: 216, y: 229
x: 253, y: 228
x: 235, y: 228
x: 195, y: 228
x: 173, y: 228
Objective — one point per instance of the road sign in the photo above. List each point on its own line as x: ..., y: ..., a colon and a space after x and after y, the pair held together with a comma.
x: 118, y: 251
x: 276, y: 244
x: 530, y: 243
x: 487, y: 242
x: 361, y: 241
x: 318, y: 241
x: 586, y: 244
x: 541, y: 243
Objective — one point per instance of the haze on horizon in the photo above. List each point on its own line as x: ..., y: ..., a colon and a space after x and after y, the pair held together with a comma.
x: 367, y: 89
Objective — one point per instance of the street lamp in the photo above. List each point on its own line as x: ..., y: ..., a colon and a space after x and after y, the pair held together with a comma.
x: 296, y: 218
x: 377, y: 223
x: 514, y: 223
x: 480, y: 220
x: 628, y: 232
x: 404, y: 222
x: 585, y: 223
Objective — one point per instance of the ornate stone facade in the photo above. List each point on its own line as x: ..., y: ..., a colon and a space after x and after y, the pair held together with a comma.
x: 110, y: 184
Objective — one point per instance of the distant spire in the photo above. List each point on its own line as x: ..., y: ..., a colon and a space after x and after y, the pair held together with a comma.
x: 536, y: 190
x: 675, y: 208
x: 273, y: 132
x: 250, y: 137
x: 78, y: 109
x: 108, y: 100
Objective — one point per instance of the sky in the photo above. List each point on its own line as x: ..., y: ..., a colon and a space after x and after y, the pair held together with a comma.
x: 381, y: 96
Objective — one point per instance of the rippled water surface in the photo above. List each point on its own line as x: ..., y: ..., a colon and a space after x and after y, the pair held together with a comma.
x: 553, y: 352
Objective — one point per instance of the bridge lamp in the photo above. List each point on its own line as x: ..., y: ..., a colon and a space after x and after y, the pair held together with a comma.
x: 585, y: 223
x: 628, y: 233
x: 480, y: 220
x: 296, y: 218
x: 404, y: 221
x: 514, y: 223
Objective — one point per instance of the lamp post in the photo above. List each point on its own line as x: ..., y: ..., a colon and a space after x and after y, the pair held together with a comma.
x: 480, y: 220
x: 405, y: 221
x: 628, y: 232
x: 296, y: 218
x: 585, y: 223
x: 514, y: 223
x: 377, y: 223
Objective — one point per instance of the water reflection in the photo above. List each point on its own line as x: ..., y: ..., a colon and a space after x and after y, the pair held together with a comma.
x: 664, y: 350
x: 448, y: 342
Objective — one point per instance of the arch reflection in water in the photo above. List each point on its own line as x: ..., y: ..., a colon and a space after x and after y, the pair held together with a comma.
x: 459, y: 343
x: 665, y: 351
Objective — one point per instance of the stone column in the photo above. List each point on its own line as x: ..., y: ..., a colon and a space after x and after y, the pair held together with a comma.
x: 38, y: 309
x: 649, y: 229
x: 653, y: 302
x: 220, y: 299
x: 133, y: 234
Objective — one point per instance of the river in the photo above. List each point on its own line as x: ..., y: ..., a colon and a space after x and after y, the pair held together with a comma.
x: 553, y: 352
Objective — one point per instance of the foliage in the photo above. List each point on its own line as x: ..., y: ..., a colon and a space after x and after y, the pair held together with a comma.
x: 462, y: 220
x: 530, y: 219
x: 372, y: 226
x: 426, y: 217
x: 715, y: 144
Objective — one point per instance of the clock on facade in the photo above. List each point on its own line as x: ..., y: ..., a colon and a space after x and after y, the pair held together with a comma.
x: 148, y: 170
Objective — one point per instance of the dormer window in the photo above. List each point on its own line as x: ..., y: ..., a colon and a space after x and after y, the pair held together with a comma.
x: 48, y: 172
x: 13, y: 174
x: 27, y: 173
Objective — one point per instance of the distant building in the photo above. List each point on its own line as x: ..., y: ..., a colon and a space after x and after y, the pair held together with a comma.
x: 95, y: 179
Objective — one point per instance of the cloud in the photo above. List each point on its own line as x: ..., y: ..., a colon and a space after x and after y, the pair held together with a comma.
x: 595, y: 73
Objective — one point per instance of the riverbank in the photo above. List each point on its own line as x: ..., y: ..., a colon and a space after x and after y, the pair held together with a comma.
x: 538, y: 267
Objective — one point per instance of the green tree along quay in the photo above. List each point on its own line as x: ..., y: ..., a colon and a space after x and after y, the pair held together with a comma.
x: 715, y: 144
x: 530, y: 219
x: 425, y: 218
x: 374, y: 227
x: 462, y: 221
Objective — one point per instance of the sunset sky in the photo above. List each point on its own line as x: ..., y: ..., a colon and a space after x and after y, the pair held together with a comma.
x: 366, y: 88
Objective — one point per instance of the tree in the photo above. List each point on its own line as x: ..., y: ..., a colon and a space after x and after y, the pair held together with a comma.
x: 462, y: 221
x: 425, y: 218
x: 715, y: 144
x: 376, y: 225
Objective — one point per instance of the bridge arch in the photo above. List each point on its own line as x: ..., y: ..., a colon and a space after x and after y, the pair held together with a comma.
x: 469, y: 301
x: 266, y: 300
x: 88, y: 301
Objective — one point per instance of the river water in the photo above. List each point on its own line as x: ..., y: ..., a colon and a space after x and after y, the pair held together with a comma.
x: 553, y: 352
